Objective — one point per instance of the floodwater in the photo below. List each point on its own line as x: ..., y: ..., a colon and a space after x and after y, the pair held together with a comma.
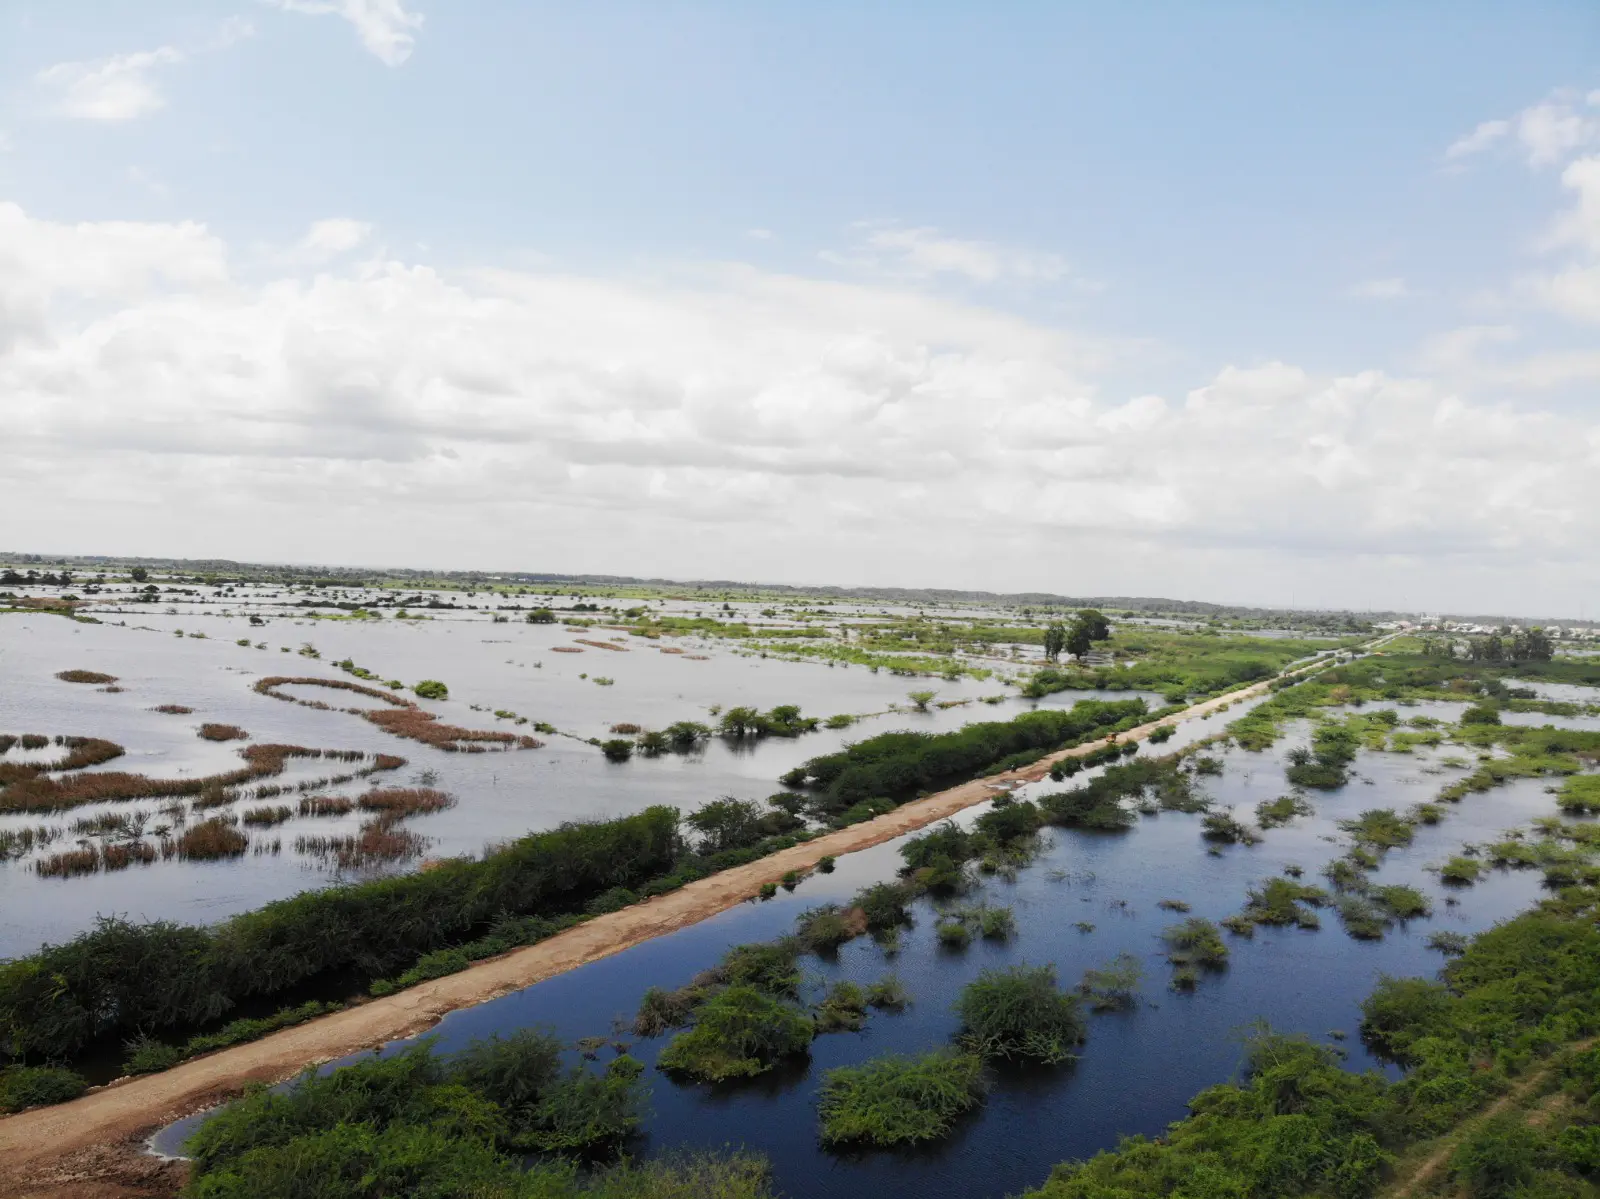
x: 1138, y: 1068
x: 510, y: 667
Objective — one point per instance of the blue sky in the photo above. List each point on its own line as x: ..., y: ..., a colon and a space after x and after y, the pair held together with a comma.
x: 946, y: 294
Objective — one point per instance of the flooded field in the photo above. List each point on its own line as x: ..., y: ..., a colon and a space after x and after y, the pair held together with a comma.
x: 488, y: 667
x: 190, y: 692
x: 1086, y: 899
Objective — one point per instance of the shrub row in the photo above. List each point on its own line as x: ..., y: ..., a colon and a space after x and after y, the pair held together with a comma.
x: 121, y: 978
x: 898, y: 765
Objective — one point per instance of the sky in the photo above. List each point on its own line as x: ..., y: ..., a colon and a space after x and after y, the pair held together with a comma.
x: 1273, y: 303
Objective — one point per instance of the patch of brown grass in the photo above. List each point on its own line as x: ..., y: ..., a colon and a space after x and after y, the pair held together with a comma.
x: 212, y: 839
x: 223, y: 732
x: 377, y: 844
x: 267, y: 815
x: 565, y: 649
x: 173, y: 709
x: 601, y: 644
x: 29, y: 791
x: 626, y: 729
x: 399, y: 802
x: 68, y: 864
x: 85, y: 676
x: 403, y: 718
x: 124, y: 854
x: 326, y: 805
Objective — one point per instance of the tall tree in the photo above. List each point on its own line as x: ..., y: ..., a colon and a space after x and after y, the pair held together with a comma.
x: 1055, y: 640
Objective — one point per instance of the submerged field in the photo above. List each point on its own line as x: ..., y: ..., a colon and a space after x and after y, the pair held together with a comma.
x: 1368, y: 788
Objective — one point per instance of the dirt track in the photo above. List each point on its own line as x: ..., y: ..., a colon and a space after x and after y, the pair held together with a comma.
x: 92, y: 1148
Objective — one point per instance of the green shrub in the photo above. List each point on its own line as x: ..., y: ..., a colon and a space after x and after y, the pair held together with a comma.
x: 888, y: 993
x: 23, y: 1087
x: 432, y: 689
x: 899, y: 765
x: 885, y: 905
x: 899, y: 1100
x: 617, y: 749
x: 843, y: 1009
x: 1195, y: 942
x: 1113, y: 986
x: 121, y: 978
x: 738, y: 1034
x: 953, y: 934
x: 1462, y: 871
x: 1498, y: 1157
x: 1020, y: 1013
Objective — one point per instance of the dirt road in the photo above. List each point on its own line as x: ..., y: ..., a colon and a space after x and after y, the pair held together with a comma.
x: 93, y: 1147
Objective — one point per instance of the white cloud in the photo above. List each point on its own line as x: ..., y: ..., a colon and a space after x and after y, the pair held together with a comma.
x: 1381, y: 289
x: 759, y: 234
x: 923, y: 253
x: 327, y: 239
x: 1488, y: 133
x: 728, y: 422
x: 1574, y: 290
x: 384, y: 26
x: 1546, y: 132
x: 125, y: 87
x: 5, y: 142
x: 119, y: 88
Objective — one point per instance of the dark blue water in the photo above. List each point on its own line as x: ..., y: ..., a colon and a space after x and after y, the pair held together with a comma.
x: 1138, y: 1068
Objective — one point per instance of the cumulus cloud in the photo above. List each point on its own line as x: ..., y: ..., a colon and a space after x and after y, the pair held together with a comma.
x: 923, y: 253
x: 384, y: 26
x: 725, y: 420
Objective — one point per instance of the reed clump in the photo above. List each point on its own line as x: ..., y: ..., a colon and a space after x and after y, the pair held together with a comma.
x: 326, y: 805
x: 266, y: 815
x: 172, y: 709
x: 397, y: 803
x: 222, y: 732
x: 378, y: 843
x: 211, y: 840
x: 85, y: 676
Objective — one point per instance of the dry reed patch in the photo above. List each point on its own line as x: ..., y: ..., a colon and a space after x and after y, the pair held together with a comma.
x: 212, y: 839
x: 397, y: 803
x: 172, y: 709
x: 81, y: 752
x: 267, y: 815
x: 602, y: 645
x: 85, y: 676
x: 403, y: 718
x: 417, y: 725
x: 20, y: 842
x: 626, y: 729
x: 326, y: 805
x: 670, y: 649
x: 378, y: 843
x: 69, y: 863
x: 32, y: 792
x: 223, y: 732
x: 565, y: 649
x: 122, y: 855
